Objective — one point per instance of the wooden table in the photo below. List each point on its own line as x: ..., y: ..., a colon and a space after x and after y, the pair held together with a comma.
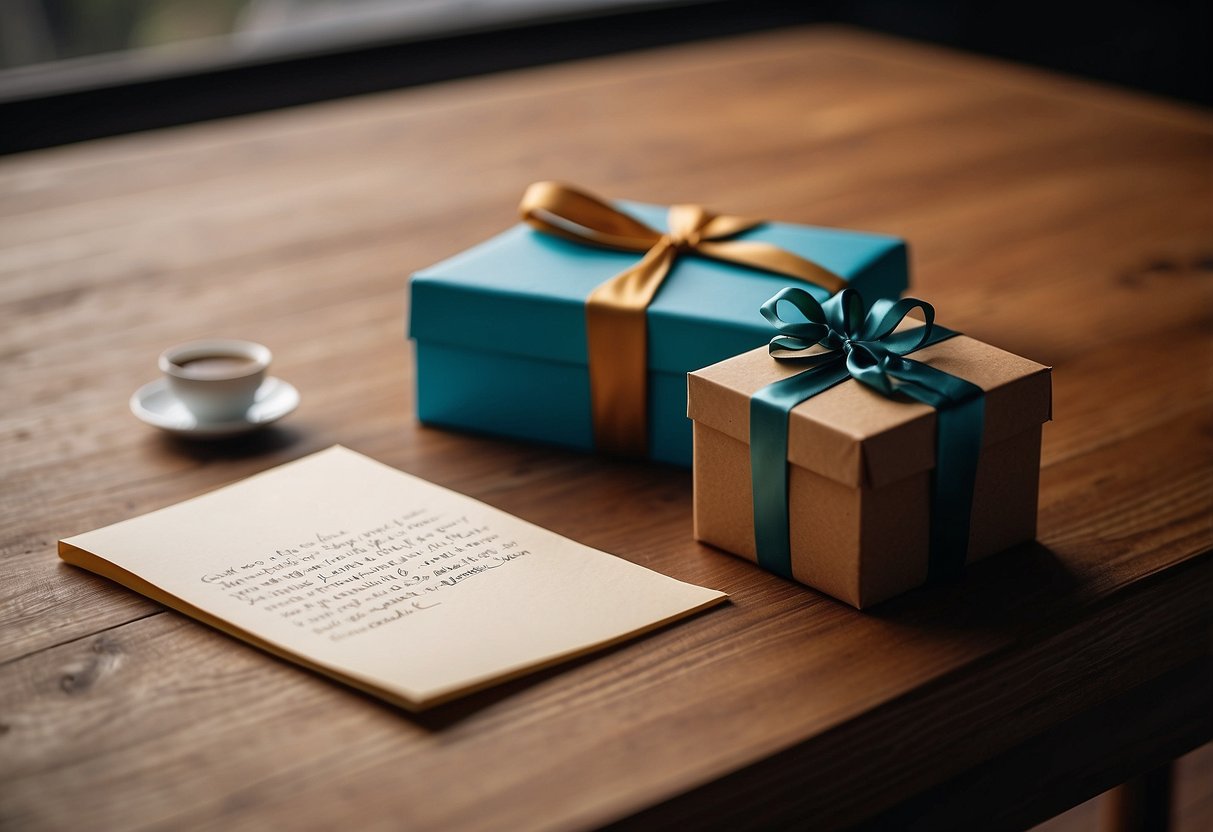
x: 1060, y: 220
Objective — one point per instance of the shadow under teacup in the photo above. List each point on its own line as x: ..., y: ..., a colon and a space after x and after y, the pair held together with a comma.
x: 216, y: 379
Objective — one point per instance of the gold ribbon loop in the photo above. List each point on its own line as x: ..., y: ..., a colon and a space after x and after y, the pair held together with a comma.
x: 566, y: 212
x: 616, y: 327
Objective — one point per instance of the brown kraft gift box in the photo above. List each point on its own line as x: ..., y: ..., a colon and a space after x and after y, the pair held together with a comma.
x: 860, y: 468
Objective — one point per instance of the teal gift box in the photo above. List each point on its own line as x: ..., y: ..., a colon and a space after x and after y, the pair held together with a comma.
x: 500, y: 329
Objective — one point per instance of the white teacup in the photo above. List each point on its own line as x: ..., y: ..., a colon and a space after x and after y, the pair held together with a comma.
x: 216, y: 379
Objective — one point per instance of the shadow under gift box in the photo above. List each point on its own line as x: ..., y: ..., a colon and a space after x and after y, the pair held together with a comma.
x: 501, y: 335
x: 860, y: 466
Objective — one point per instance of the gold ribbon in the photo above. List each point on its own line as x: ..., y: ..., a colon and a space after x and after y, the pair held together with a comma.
x: 616, y: 329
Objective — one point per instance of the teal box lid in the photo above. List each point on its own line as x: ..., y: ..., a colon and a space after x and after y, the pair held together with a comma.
x: 523, y: 292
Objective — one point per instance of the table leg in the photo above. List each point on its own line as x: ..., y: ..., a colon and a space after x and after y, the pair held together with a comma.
x: 1140, y: 804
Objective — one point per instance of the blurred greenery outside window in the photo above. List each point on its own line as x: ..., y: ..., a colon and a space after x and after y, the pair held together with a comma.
x: 37, y: 31
x: 41, y: 32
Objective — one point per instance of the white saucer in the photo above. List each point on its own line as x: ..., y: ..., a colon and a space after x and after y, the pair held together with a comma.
x: 154, y: 404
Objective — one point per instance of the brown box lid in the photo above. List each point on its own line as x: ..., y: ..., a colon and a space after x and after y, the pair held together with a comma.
x: 855, y: 436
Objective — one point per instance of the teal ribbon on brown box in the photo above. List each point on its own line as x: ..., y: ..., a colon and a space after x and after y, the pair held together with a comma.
x: 842, y: 339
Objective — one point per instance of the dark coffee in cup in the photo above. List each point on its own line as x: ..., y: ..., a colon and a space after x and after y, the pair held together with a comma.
x: 218, y: 366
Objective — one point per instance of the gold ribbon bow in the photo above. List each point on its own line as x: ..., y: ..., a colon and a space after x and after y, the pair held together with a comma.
x: 616, y: 330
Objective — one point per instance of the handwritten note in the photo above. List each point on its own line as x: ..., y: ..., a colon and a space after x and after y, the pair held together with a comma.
x: 382, y: 580
x: 341, y: 584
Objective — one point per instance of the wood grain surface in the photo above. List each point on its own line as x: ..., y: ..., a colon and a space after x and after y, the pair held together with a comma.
x: 1063, y: 221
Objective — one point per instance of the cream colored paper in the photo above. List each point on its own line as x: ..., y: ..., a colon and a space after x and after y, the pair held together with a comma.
x: 385, y: 581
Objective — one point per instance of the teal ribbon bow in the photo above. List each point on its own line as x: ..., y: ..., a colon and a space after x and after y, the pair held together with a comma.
x: 841, y: 339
